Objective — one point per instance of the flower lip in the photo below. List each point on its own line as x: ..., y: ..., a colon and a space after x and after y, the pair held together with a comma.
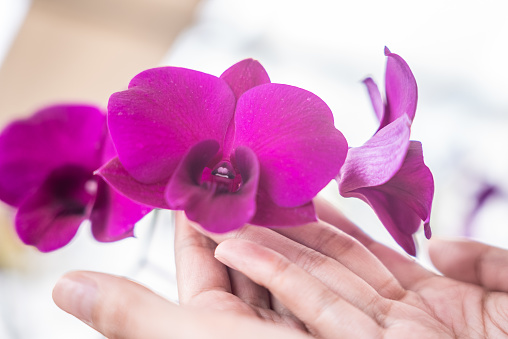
x: 224, y: 170
x: 222, y: 179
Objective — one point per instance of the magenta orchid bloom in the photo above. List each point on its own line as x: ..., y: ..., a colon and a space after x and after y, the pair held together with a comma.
x: 46, y: 171
x: 228, y: 151
x: 388, y: 171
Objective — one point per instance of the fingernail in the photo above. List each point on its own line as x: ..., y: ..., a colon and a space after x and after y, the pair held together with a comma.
x: 225, y: 259
x: 229, y: 253
x: 76, y: 294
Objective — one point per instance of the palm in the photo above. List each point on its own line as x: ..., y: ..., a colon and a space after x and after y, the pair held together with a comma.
x: 361, y: 291
x: 458, y: 309
x: 207, y: 284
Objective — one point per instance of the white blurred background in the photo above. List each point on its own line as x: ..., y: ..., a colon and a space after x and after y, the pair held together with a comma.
x: 457, y: 50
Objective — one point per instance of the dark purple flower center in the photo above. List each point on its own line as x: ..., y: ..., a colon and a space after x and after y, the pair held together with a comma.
x: 222, y: 179
x: 73, y: 188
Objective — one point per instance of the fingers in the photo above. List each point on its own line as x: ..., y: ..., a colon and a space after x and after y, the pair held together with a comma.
x: 323, y: 311
x: 204, y: 281
x: 328, y: 270
x: 405, y: 269
x: 119, y: 308
x: 339, y: 246
x: 252, y: 294
x: 472, y: 262
x: 197, y: 270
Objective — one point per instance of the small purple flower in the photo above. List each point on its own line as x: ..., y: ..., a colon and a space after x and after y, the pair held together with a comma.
x: 46, y: 171
x: 227, y: 150
x: 388, y: 171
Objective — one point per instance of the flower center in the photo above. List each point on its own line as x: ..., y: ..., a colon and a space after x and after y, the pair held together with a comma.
x: 224, y: 170
x: 224, y: 178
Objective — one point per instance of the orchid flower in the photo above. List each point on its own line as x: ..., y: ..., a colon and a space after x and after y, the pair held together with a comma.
x: 227, y: 150
x: 388, y: 171
x: 46, y: 172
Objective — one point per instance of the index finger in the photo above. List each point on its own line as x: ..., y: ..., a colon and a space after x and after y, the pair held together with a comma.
x: 197, y: 270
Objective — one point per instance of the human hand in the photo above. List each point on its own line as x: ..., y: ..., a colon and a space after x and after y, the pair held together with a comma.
x: 341, y: 290
x: 120, y: 308
x: 338, y: 287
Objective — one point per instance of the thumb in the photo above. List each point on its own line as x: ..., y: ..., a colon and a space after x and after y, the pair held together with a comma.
x: 120, y: 308
x: 472, y: 262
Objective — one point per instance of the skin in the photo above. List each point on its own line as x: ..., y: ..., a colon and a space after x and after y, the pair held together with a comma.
x: 326, y: 279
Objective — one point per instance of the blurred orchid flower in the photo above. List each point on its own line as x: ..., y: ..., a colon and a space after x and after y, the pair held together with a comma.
x: 230, y: 150
x: 388, y: 171
x: 46, y: 171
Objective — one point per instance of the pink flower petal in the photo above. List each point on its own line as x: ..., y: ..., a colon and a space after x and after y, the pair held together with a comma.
x: 401, y: 89
x: 375, y: 98
x: 291, y: 132
x: 114, y: 216
x: 378, y: 159
x: 244, y: 75
x: 270, y: 214
x: 49, y: 218
x: 164, y: 112
x: 400, y: 221
x: 413, y: 183
x: 405, y: 200
x: 213, y: 209
x: 55, y: 136
x: 117, y: 177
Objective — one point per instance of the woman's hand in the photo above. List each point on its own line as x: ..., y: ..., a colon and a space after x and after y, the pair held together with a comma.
x: 340, y: 287
x: 120, y: 308
x: 315, y: 278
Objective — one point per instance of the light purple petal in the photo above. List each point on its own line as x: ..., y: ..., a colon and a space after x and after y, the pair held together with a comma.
x: 213, y: 209
x: 244, y: 75
x: 113, y: 216
x: 401, y: 89
x: 55, y: 136
x: 271, y: 215
x: 375, y: 98
x: 413, y: 183
x: 291, y: 131
x: 405, y: 200
x: 50, y: 217
x: 400, y: 220
x: 163, y: 113
x: 378, y: 159
x: 146, y: 194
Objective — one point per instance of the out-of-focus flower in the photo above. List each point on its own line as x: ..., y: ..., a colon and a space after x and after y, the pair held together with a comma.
x: 46, y: 172
x: 388, y: 171
x: 227, y: 150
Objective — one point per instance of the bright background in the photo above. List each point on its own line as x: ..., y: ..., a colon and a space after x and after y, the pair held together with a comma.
x: 457, y: 50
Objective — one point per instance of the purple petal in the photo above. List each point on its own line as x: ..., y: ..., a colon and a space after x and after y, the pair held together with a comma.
x: 405, y: 200
x: 108, y: 150
x: 55, y: 136
x: 146, y: 194
x: 244, y: 75
x: 214, y: 210
x: 378, y: 159
x: 400, y: 221
x: 113, y: 216
x: 164, y: 112
x: 291, y: 132
x: 413, y: 183
x: 271, y: 215
x: 375, y: 98
x: 401, y: 89
x: 50, y: 217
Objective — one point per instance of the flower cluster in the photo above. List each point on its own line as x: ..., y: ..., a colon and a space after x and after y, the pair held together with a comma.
x: 227, y: 150
x: 46, y: 171
x: 388, y: 171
